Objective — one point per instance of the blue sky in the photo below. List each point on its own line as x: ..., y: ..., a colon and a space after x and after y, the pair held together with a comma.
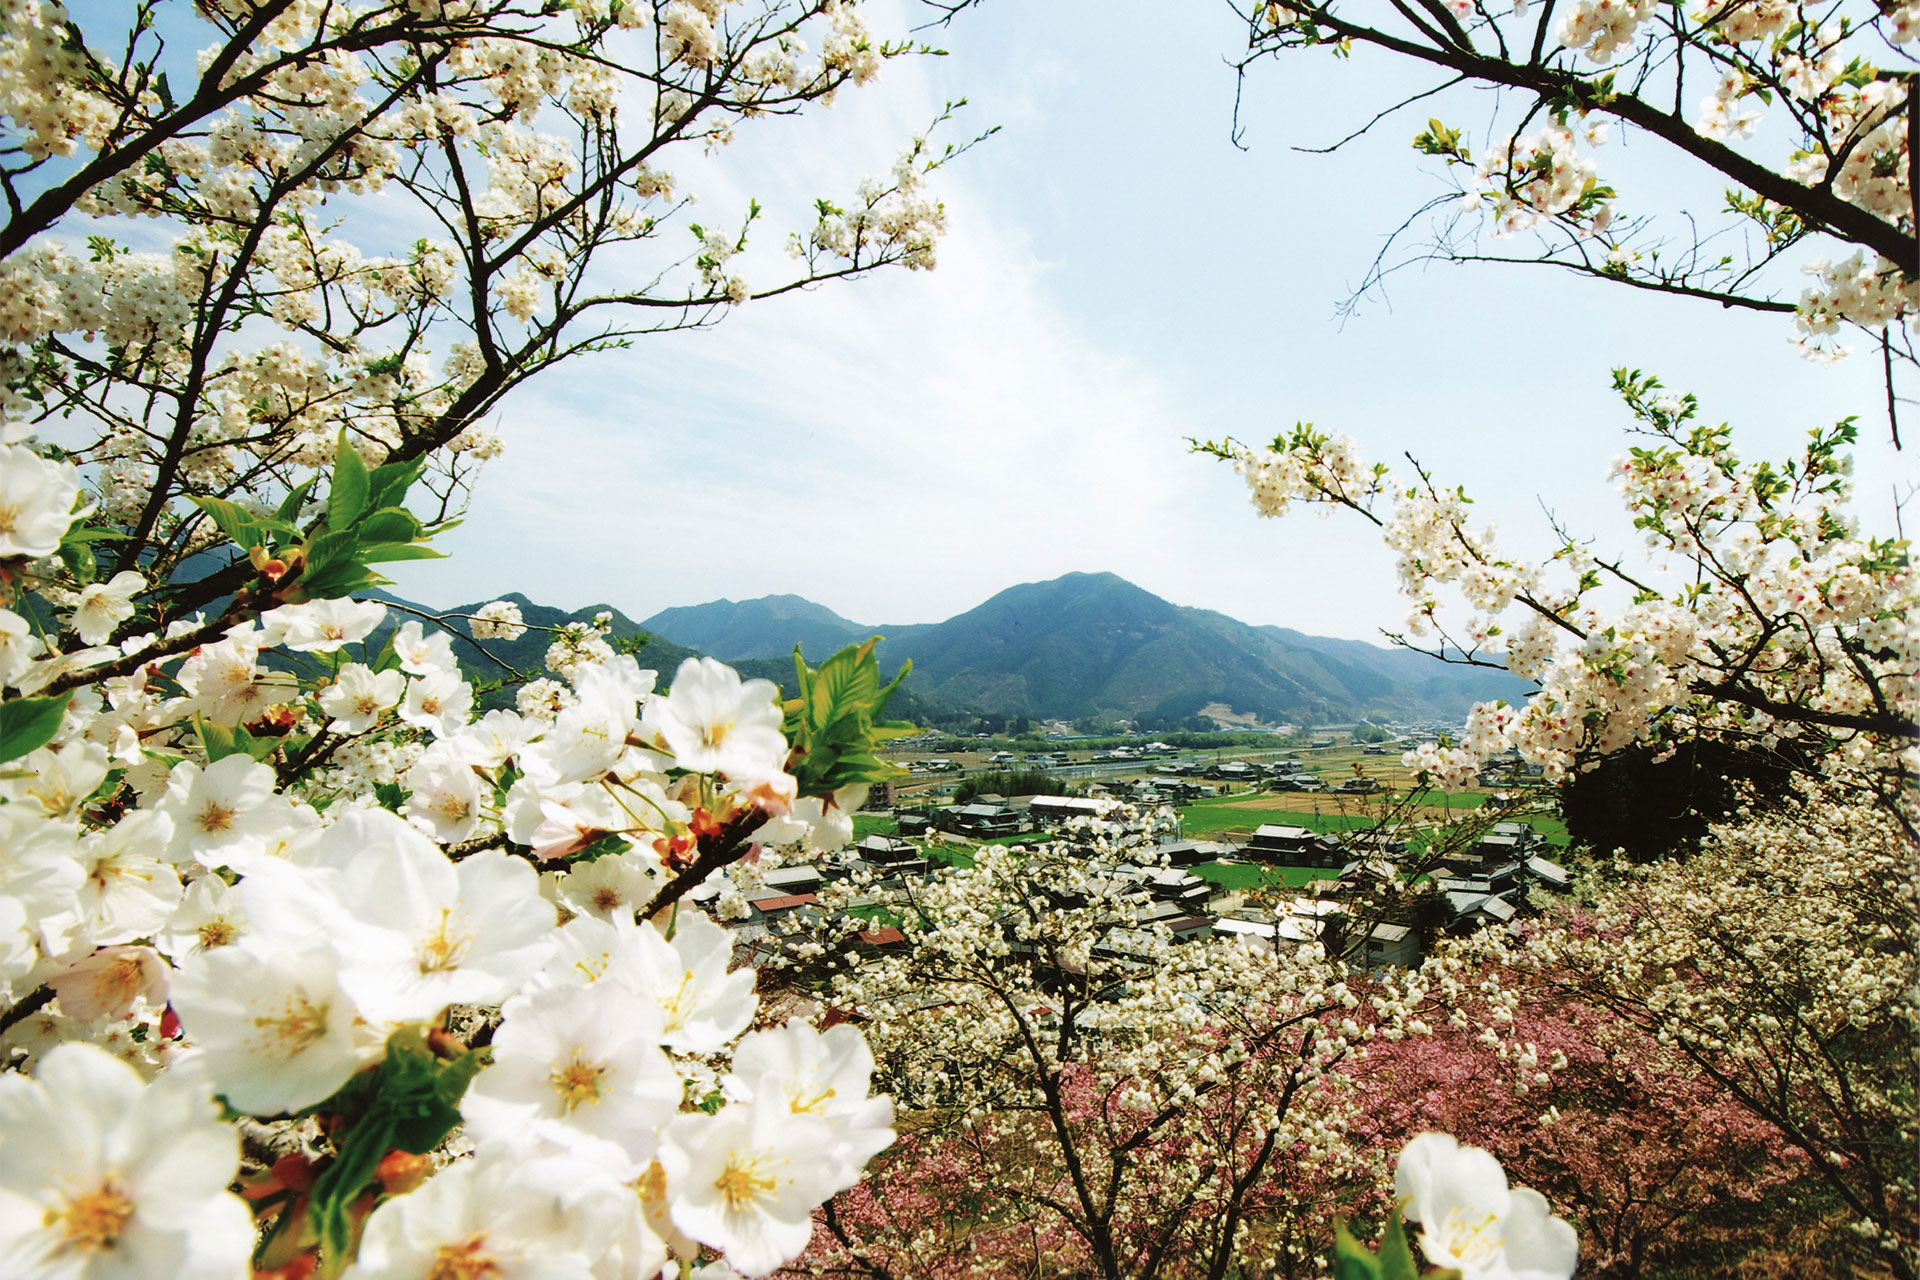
x: 1118, y: 277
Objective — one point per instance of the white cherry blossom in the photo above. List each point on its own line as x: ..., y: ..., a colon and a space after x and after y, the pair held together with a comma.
x: 102, y: 1175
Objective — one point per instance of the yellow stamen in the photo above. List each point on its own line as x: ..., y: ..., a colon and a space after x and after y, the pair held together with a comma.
x: 740, y: 1185
x: 577, y: 1081
x: 92, y: 1223
x: 1471, y: 1237
x: 443, y: 950
x: 216, y: 933
x: 299, y: 1025
x: 468, y: 1260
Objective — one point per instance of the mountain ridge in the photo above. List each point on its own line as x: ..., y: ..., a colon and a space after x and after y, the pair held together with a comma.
x: 1093, y: 644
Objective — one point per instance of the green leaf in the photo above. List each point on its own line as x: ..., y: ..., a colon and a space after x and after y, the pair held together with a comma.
x: 331, y: 1206
x: 832, y: 724
x: 1396, y: 1259
x: 412, y: 1104
x: 78, y: 557
x: 330, y: 549
x: 1351, y: 1259
x: 389, y: 524
x: 242, y: 526
x: 295, y: 499
x: 348, y: 492
x: 27, y: 724
x: 217, y: 740
x: 91, y: 534
x: 388, y: 483
x: 380, y: 552
x: 605, y: 845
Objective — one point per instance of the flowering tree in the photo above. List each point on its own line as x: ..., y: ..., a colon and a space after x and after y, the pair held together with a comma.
x: 1092, y: 1097
x: 1765, y: 616
x: 380, y: 221
x: 191, y: 891
x: 1730, y: 87
x: 269, y: 892
x: 1777, y: 966
x: 1657, y: 1167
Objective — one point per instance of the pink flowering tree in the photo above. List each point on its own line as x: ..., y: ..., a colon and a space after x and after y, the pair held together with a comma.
x: 1654, y: 1164
x: 1757, y: 996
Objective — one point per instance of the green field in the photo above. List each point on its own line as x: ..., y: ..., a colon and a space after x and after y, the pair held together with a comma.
x: 1204, y: 819
x: 873, y: 824
x: 1241, y: 814
x: 953, y: 855
x: 1246, y: 875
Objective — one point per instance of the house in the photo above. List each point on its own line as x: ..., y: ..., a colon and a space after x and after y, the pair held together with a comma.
x: 1174, y: 885
x: 1391, y: 944
x: 801, y: 879
x: 1160, y: 912
x: 1548, y: 875
x: 1293, y: 846
x: 1249, y: 930
x: 1472, y: 911
x: 1190, y: 928
x: 1188, y: 853
x: 768, y: 908
x: 886, y: 849
x: 982, y: 821
x: 1063, y: 808
x: 1374, y: 844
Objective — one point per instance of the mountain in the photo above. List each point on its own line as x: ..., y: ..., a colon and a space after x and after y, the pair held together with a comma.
x: 490, y: 659
x: 1091, y: 644
x: 765, y: 628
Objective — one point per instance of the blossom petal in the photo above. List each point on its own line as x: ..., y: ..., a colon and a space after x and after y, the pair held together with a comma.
x: 1539, y: 1245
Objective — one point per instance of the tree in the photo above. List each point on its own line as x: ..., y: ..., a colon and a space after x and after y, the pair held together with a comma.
x: 1779, y: 962
x: 248, y: 331
x: 1763, y: 617
x: 1705, y: 81
x: 382, y: 221
x: 1661, y: 1171
x: 1091, y: 1097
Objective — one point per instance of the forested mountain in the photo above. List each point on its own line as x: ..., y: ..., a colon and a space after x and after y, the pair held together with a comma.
x: 1092, y: 644
x: 765, y: 628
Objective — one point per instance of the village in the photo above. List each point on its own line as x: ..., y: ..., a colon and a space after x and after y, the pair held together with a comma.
x: 1366, y: 866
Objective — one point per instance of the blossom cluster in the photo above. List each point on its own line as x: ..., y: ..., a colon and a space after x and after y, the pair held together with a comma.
x: 270, y: 858
x: 1822, y: 95
x: 1124, y: 1096
x: 1784, y: 622
x: 1525, y: 181
x: 524, y: 137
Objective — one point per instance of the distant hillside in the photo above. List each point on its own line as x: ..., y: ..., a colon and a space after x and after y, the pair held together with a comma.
x: 527, y: 655
x: 765, y: 628
x: 1095, y: 644
x: 1084, y: 645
